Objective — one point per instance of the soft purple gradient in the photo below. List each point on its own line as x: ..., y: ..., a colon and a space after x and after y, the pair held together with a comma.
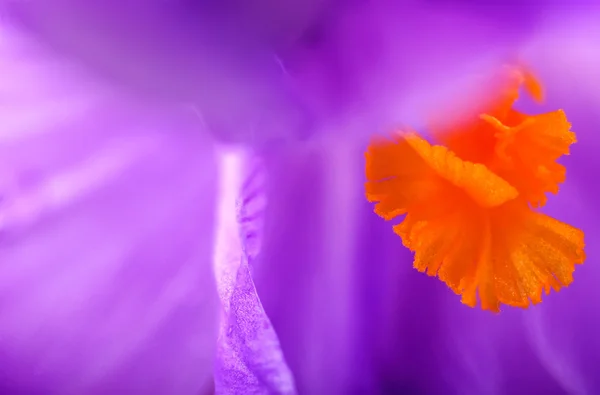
x: 263, y: 71
x: 110, y: 216
x: 106, y: 219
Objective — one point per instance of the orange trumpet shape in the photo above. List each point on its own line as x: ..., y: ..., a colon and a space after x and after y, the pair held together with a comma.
x: 469, y: 203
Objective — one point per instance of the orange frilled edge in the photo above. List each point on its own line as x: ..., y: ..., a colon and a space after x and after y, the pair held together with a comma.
x: 469, y: 203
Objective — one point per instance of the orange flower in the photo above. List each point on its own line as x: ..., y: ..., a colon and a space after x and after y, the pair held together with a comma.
x: 469, y: 204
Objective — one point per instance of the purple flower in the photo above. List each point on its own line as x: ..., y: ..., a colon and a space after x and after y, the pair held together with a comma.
x: 182, y: 198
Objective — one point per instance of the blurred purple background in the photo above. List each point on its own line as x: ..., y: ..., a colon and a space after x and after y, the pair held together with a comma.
x: 133, y: 259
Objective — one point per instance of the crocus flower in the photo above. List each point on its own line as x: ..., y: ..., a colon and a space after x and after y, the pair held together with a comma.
x: 183, y: 199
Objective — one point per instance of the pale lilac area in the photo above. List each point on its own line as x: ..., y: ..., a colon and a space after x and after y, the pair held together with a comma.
x: 249, y: 359
x: 106, y: 218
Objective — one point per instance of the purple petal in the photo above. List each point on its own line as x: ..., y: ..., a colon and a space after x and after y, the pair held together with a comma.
x: 249, y: 359
x: 201, y: 53
x: 106, y: 234
x: 306, y: 272
x: 262, y: 71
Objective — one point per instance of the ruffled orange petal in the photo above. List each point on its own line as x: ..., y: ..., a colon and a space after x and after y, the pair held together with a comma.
x: 471, y: 137
x: 506, y: 86
x: 468, y: 226
x: 526, y: 154
x: 534, y: 252
x: 508, y: 255
x: 520, y: 148
x: 412, y: 171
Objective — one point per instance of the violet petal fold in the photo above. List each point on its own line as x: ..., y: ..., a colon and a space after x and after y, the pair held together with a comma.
x: 249, y: 359
x: 306, y: 272
x: 106, y: 222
